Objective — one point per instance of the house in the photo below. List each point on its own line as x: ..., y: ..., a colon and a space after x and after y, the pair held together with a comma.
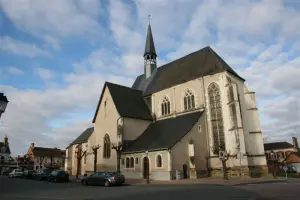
x: 177, y: 117
x: 4, y: 151
x: 283, y: 151
x: 80, y: 159
x: 43, y: 157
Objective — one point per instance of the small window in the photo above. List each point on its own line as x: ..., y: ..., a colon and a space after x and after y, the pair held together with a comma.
x: 158, y: 161
x: 122, y: 161
x: 199, y: 128
x: 136, y: 161
x: 127, y: 162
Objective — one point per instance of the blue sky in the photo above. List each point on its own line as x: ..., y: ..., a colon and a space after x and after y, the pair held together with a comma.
x: 56, y: 56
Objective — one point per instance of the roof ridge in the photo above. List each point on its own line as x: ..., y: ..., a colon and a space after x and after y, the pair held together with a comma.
x: 106, y: 82
x: 214, y: 54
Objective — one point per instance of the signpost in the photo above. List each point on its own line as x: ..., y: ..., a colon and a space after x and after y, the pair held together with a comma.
x: 285, y: 168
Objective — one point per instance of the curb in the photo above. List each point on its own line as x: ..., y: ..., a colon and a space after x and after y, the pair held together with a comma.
x: 260, y: 182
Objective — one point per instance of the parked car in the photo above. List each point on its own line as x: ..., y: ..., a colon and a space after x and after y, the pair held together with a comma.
x: 291, y: 169
x: 42, y: 174
x: 15, y: 173
x: 103, y: 178
x: 28, y: 174
x: 59, y: 176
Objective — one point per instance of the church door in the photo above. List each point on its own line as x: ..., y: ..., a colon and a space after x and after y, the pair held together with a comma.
x: 145, y: 167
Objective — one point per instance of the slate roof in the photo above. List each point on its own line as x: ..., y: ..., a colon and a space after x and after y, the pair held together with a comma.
x: 278, y: 145
x: 164, y: 134
x: 129, y: 102
x: 6, y: 150
x: 197, y: 64
x: 42, y: 151
x: 83, y: 137
x: 149, y: 47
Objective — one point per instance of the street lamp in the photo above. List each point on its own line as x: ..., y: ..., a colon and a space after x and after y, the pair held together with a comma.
x: 3, y: 103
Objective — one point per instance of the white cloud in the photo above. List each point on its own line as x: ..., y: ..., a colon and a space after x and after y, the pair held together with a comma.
x: 56, y: 19
x: 13, y: 46
x: 11, y: 70
x: 45, y: 74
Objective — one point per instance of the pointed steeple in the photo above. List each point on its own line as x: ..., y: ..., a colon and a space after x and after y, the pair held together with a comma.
x: 149, y: 48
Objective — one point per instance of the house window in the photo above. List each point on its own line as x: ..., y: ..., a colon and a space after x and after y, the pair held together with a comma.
x: 189, y: 100
x: 216, y: 117
x: 136, y: 161
x: 106, y: 147
x: 122, y: 161
x: 165, y: 106
x: 131, y: 165
x: 158, y: 161
x: 127, y: 162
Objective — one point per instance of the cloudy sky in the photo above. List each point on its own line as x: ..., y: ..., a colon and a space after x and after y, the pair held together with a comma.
x: 55, y: 56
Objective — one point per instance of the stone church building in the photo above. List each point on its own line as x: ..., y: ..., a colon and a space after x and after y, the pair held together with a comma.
x: 174, y: 117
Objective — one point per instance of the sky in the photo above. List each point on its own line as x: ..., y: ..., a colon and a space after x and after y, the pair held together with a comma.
x: 55, y: 56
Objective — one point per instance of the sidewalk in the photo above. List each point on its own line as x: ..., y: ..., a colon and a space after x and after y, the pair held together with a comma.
x: 208, y: 181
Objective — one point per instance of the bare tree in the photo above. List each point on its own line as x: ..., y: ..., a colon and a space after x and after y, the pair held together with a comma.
x: 79, y: 155
x: 118, y: 147
x: 95, y: 152
x: 223, y: 156
x: 41, y: 160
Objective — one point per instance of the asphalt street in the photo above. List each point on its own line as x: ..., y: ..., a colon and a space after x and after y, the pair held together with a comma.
x: 19, y: 189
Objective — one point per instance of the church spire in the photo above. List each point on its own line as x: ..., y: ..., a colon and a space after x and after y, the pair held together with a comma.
x: 149, y: 48
x: 149, y: 54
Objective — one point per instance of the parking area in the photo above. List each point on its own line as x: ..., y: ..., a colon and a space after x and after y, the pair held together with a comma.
x: 26, y: 189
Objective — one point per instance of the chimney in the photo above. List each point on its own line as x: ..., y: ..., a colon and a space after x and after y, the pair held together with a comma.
x: 5, y: 140
x: 32, y: 144
x: 295, y: 142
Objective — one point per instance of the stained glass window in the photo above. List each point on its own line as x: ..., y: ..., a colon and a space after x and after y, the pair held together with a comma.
x: 165, y: 106
x: 189, y: 100
x: 106, y: 147
x: 216, y: 116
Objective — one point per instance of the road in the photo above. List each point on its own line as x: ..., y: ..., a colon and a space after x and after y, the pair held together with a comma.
x: 18, y: 189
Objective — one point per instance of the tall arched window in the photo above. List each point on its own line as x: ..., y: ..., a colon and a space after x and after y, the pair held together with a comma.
x: 127, y: 162
x: 158, y: 161
x: 106, y: 147
x: 131, y: 165
x: 216, y: 116
x: 189, y: 100
x: 165, y: 106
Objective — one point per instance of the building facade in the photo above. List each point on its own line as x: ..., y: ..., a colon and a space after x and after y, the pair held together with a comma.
x: 46, y: 157
x: 4, y: 151
x: 175, y: 118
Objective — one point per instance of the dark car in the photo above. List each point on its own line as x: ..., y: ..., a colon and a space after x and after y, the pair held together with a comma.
x: 42, y: 174
x: 104, y: 178
x: 59, y: 176
x: 28, y: 174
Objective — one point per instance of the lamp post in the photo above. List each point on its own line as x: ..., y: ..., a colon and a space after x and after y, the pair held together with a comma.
x: 3, y: 103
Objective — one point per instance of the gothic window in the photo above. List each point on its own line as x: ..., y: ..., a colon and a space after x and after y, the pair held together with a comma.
x: 158, y: 161
x: 165, y: 106
x: 233, y: 114
x: 189, y: 100
x: 106, y: 147
x: 136, y: 161
x: 131, y: 165
x: 216, y: 116
x: 127, y: 162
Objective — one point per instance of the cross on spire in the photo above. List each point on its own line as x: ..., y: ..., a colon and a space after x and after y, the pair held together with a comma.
x: 149, y: 18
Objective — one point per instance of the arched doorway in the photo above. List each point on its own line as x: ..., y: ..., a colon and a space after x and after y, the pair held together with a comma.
x: 145, y: 167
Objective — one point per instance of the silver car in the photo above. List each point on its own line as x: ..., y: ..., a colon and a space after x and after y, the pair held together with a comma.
x: 15, y: 173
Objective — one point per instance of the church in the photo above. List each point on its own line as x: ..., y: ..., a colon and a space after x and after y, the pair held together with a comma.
x: 174, y: 118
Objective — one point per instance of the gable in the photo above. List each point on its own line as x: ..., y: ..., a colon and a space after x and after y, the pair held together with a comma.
x: 128, y: 102
x: 164, y: 134
x: 198, y: 64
